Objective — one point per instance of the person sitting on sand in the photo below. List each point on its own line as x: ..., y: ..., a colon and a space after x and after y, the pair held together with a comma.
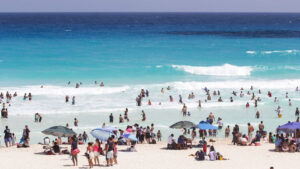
x: 256, y: 138
x: 56, y: 148
x: 285, y: 146
x: 171, y: 142
x: 292, y: 147
x: 180, y: 142
x: 212, y: 154
x: 244, y: 140
x: 200, y: 155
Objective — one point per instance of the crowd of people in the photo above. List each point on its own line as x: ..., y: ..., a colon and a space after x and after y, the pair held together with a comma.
x: 147, y: 134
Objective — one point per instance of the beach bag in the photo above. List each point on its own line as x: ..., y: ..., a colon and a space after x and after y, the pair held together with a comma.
x: 76, y: 151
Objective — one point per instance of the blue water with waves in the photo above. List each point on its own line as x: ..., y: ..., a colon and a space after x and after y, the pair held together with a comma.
x: 131, y: 51
x: 122, y: 48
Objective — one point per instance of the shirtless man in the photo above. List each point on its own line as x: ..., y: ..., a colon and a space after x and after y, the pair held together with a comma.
x: 184, y: 110
x: 261, y: 127
x: 211, y: 117
x: 250, y: 132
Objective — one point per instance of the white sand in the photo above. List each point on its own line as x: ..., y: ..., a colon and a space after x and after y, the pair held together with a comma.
x: 155, y: 157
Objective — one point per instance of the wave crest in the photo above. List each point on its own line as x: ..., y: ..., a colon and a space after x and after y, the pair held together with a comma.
x: 224, y: 70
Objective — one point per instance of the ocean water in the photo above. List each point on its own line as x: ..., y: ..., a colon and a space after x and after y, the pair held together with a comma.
x: 131, y: 51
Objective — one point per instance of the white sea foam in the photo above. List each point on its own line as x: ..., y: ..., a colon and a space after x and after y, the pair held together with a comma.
x: 250, y: 52
x: 293, y: 51
x: 62, y: 91
x: 50, y: 99
x: 158, y: 66
x: 237, y: 84
x: 267, y: 52
x: 224, y: 70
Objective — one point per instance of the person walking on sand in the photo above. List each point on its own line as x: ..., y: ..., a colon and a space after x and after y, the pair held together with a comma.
x: 90, y: 154
x: 7, y: 136
x: 74, y: 150
x: 97, y: 151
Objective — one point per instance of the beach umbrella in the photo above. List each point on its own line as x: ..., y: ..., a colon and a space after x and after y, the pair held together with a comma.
x: 206, y: 126
x: 102, y: 133
x: 110, y: 128
x: 290, y: 127
x: 130, y: 130
x: 183, y: 124
x: 130, y: 137
x: 59, y: 131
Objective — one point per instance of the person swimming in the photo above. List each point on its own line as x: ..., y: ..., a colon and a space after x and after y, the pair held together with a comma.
x: 247, y: 105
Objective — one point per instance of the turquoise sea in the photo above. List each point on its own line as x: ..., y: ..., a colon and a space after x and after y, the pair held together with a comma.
x: 131, y: 51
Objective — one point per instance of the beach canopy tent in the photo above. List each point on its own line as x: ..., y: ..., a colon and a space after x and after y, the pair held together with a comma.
x: 59, y: 131
x: 290, y: 127
x: 102, y: 133
x: 130, y: 137
x: 183, y: 124
x: 206, y: 126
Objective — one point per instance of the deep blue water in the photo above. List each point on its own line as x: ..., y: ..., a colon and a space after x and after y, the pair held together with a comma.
x: 127, y: 48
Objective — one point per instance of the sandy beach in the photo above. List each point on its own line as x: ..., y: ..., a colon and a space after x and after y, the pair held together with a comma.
x: 149, y: 156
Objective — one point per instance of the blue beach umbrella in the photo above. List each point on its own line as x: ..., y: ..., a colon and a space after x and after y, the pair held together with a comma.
x: 206, y: 126
x: 130, y: 137
x: 101, y: 134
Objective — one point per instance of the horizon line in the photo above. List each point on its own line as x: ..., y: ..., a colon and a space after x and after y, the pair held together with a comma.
x: 235, y: 12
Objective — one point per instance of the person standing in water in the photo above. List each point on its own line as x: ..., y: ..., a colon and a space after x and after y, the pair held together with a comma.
x: 184, y: 110
x: 180, y: 99
x: 67, y: 98
x: 297, y: 112
x: 111, y: 118
x: 143, y: 116
x: 73, y: 100
x: 257, y: 115
x: 75, y: 122
x: 199, y: 104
